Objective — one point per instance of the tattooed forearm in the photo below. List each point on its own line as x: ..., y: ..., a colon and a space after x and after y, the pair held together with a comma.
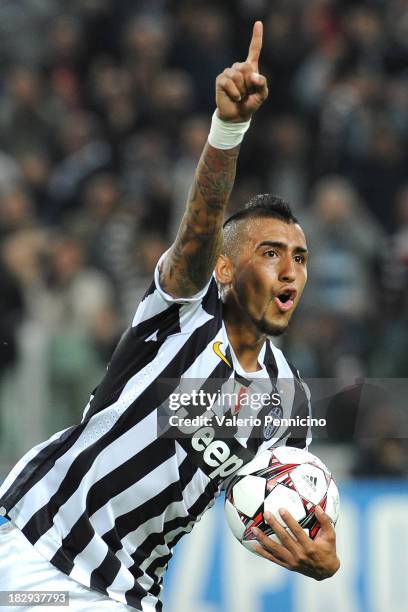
x: 192, y: 258
x: 214, y: 180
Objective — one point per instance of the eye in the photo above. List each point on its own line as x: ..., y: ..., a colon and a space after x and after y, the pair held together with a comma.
x: 300, y: 258
x: 270, y: 253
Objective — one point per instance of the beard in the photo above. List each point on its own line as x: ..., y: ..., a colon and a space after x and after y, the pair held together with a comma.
x: 271, y: 329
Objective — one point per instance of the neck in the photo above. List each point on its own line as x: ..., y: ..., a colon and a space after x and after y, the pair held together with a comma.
x: 245, y: 339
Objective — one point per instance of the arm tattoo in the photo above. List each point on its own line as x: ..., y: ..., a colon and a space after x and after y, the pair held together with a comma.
x: 192, y: 258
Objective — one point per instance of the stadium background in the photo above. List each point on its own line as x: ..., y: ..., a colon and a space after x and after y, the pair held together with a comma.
x: 104, y: 109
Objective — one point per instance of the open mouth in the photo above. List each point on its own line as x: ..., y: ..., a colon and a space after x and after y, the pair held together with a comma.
x: 285, y: 300
x: 284, y: 297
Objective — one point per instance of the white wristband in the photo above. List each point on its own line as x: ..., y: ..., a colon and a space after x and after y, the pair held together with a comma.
x: 226, y: 134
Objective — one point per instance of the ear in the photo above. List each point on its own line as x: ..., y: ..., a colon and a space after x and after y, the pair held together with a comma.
x: 224, y: 270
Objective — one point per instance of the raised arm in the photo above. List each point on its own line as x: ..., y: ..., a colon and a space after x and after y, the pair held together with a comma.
x: 239, y: 92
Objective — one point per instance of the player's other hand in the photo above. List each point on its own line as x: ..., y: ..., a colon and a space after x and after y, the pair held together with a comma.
x: 240, y: 90
x: 315, y: 558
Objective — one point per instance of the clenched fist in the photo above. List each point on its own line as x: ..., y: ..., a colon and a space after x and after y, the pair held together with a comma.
x: 240, y: 90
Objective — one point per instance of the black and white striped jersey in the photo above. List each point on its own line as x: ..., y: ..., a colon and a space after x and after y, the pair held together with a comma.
x: 106, y: 500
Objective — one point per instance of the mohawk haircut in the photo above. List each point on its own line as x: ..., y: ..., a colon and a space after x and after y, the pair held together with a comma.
x: 260, y: 206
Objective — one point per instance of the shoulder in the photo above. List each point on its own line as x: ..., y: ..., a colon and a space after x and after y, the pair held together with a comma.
x: 177, y: 315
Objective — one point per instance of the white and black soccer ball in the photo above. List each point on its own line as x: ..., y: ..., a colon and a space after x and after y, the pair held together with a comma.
x: 283, y: 477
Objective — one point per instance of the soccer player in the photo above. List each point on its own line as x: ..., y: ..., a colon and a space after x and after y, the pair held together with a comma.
x: 97, y: 509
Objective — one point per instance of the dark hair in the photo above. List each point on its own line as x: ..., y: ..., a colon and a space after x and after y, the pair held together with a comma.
x: 264, y: 205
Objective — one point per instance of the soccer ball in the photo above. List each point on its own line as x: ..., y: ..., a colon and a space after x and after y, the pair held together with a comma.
x: 283, y: 477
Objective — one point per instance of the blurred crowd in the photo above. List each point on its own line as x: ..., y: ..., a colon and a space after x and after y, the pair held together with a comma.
x: 104, y: 110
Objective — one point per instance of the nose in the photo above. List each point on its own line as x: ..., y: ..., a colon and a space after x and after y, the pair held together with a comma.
x: 287, y: 271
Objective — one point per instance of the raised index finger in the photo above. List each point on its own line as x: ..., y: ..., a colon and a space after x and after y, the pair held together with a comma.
x: 256, y: 43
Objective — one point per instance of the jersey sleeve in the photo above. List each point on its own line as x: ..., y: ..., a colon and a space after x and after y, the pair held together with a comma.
x: 175, y: 314
x: 173, y: 300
